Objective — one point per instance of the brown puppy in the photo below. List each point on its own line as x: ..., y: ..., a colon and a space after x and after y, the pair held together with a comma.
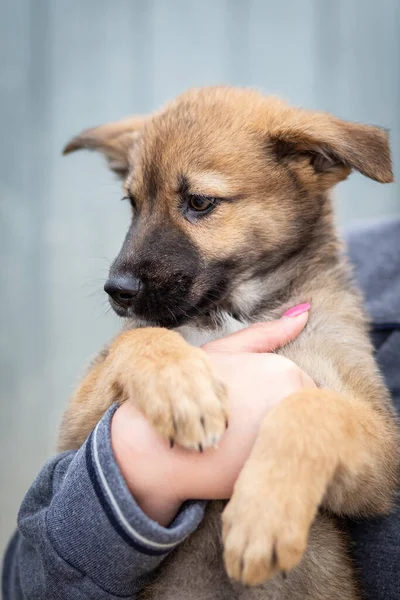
x: 231, y: 224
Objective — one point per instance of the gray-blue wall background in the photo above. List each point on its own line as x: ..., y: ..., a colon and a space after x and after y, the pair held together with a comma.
x: 69, y: 64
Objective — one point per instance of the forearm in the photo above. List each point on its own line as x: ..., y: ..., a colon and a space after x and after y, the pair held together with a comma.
x: 148, y: 465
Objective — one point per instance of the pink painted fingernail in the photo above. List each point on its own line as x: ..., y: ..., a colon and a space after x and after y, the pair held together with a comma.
x: 297, y: 310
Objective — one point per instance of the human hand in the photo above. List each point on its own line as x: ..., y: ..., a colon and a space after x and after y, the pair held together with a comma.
x: 161, y: 478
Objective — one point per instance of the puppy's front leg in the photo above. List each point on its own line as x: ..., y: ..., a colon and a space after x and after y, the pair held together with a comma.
x: 85, y: 408
x: 315, y: 448
x: 172, y: 384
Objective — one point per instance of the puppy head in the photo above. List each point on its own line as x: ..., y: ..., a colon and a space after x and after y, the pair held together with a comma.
x: 225, y: 185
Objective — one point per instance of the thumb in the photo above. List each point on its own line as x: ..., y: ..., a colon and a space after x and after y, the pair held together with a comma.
x: 261, y: 337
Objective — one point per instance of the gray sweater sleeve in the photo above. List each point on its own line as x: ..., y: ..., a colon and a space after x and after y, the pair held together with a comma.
x: 80, y: 533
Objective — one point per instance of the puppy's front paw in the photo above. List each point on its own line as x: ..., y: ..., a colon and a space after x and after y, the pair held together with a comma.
x: 186, y: 402
x: 265, y: 525
x: 174, y: 385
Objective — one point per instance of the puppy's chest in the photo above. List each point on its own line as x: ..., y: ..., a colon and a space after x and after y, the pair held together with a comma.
x: 197, y: 336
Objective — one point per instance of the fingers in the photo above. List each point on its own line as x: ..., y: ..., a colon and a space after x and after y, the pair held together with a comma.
x: 261, y: 337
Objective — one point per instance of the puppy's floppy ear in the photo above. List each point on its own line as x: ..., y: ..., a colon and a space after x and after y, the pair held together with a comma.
x: 334, y: 145
x: 114, y: 140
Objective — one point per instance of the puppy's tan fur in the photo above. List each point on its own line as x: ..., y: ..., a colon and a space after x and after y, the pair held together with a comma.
x: 324, y: 452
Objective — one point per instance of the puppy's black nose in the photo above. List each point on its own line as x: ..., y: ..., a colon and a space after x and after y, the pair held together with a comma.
x: 123, y: 289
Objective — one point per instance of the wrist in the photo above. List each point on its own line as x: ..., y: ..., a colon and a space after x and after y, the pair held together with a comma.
x: 147, y: 465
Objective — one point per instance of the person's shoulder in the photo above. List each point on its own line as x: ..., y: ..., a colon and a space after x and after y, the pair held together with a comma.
x: 374, y: 250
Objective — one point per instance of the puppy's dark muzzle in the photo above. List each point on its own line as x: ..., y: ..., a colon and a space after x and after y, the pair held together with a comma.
x: 123, y: 289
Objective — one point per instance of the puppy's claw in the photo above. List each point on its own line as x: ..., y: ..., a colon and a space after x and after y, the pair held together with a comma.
x: 274, y: 556
x: 200, y: 447
x: 171, y: 442
x: 226, y: 422
x: 284, y: 575
x: 241, y: 568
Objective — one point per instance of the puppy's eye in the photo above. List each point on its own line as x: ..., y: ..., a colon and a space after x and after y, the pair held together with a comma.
x: 131, y: 199
x: 201, y: 204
